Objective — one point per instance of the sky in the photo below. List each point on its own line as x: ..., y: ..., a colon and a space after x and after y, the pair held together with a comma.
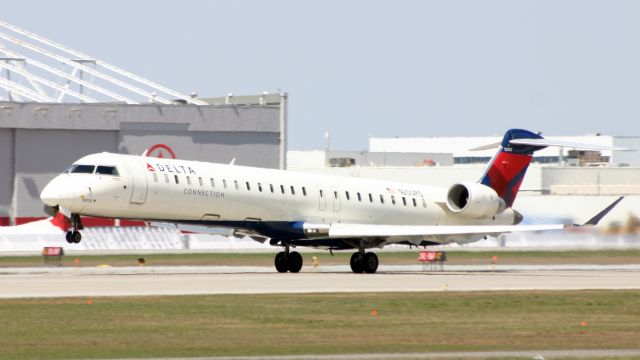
x: 360, y: 69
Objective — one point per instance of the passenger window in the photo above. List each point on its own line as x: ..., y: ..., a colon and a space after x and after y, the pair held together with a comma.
x: 176, y: 177
x: 282, y: 189
x: 107, y: 170
x: 404, y: 201
x: 381, y: 199
x: 321, y: 193
x: 414, y: 202
x: 424, y: 203
x: 188, y: 180
x: 213, y: 183
x: 155, y: 177
x: 293, y: 190
x: 304, y: 191
x: 200, y: 181
x: 393, y: 200
x: 259, y: 187
x: 224, y: 183
x: 248, y: 186
x: 235, y: 184
x: 271, y: 187
x: 370, y: 197
x: 166, y: 178
x: 335, y: 194
x: 359, y: 197
x: 82, y: 169
x: 346, y: 194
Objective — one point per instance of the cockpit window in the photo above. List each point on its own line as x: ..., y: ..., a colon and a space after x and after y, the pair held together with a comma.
x: 107, y: 170
x: 80, y: 169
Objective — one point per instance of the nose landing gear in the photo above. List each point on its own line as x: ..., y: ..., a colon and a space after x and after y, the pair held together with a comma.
x: 73, y: 236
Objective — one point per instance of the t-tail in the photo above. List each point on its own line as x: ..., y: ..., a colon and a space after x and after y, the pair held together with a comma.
x: 505, y: 172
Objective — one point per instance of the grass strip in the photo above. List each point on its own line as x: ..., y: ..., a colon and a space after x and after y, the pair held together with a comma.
x: 186, y: 326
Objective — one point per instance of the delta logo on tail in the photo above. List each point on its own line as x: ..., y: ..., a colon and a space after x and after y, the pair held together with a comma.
x: 507, y: 169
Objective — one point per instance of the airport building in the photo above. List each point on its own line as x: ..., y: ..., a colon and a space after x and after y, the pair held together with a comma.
x: 462, y: 149
x: 559, y: 184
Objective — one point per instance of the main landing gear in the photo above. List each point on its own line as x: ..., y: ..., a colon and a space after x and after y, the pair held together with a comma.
x: 288, y: 261
x: 73, y: 236
x: 364, y: 262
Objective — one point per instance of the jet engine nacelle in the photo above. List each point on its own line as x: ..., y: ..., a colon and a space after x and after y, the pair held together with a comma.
x: 474, y: 200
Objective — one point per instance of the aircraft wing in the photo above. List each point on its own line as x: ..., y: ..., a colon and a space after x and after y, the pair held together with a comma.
x: 366, y: 230
x: 374, y: 235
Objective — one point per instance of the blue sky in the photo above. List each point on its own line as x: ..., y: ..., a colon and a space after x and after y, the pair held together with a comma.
x: 377, y: 68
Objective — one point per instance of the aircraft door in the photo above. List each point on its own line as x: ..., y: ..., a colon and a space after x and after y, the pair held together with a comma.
x: 139, y: 182
x: 322, y: 199
x: 335, y: 195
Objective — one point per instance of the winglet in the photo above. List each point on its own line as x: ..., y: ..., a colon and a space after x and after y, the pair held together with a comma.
x: 596, y: 219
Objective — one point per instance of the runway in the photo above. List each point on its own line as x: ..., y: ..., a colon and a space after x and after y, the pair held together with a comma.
x: 138, y: 281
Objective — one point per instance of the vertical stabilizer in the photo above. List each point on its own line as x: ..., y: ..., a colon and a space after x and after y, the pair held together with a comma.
x: 505, y: 172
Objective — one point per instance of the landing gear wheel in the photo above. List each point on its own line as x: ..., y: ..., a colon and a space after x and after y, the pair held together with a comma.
x: 281, y: 262
x: 76, y: 237
x: 370, y: 262
x: 357, y: 263
x: 294, y: 262
x: 73, y: 236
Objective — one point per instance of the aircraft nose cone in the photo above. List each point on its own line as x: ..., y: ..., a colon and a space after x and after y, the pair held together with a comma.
x: 54, y: 193
x: 50, y: 196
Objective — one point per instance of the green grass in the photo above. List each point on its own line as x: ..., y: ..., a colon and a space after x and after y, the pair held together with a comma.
x: 386, y: 257
x: 186, y: 326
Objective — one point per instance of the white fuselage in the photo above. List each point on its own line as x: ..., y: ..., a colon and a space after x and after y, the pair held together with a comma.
x: 166, y: 189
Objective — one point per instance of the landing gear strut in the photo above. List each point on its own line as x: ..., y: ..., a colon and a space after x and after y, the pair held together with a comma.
x: 73, y: 236
x: 288, y: 261
x: 364, y: 262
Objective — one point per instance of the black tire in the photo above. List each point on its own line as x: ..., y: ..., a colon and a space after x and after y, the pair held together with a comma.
x: 281, y: 262
x: 76, y: 237
x: 294, y: 261
x: 69, y: 237
x: 370, y: 262
x: 357, y: 263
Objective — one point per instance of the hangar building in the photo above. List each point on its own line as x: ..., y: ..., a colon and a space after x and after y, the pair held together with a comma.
x: 51, y: 116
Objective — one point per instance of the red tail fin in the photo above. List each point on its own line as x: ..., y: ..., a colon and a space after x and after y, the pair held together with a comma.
x: 508, y: 167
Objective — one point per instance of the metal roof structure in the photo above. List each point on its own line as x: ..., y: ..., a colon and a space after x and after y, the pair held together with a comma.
x: 33, y: 68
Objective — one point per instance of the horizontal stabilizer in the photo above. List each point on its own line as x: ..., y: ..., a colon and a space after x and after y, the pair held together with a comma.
x: 549, y: 142
x: 495, y: 145
x: 560, y: 143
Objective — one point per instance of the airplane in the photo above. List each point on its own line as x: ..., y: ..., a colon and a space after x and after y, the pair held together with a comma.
x: 292, y: 209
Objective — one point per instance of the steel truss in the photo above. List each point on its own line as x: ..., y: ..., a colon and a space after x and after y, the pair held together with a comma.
x: 33, y: 68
